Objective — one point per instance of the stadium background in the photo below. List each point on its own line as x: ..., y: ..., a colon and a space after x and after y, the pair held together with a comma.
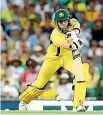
x: 25, y: 29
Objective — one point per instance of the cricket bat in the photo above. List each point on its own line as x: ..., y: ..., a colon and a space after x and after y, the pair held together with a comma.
x: 77, y: 62
x: 78, y: 69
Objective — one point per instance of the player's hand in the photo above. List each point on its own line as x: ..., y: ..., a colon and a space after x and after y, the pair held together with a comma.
x: 77, y: 43
x: 69, y: 35
x: 72, y: 35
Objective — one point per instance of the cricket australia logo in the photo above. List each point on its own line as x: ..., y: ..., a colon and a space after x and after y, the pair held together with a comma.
x: 61, y: 15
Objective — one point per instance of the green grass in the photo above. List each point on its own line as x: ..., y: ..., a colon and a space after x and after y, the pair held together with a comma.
x: 48, y: 112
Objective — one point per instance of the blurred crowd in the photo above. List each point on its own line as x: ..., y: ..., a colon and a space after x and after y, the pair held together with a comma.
x: 25, y: 28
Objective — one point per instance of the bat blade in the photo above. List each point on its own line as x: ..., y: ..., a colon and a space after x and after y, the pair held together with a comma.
x: 78, y: 69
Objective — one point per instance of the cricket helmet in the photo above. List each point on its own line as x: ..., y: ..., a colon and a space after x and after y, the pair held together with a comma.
x: 62, y: 20
x: 61, y: 15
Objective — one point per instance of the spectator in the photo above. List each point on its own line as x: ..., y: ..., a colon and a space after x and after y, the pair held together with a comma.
x: 99, y: 88
x: 40, y: 8
x: 101, y: 46
x: 7, y: 27
x: 85, y: 34
x: 30, y: 74
x: 20, y: 3
x: 82, y: 18
x: 2, y: 79
x: 37, y: 55
x: 64, y: 90
x: 44, y: 41
x: 98, y: 6
x: 15, y: 69
x: 91, y: 13
x: 94, y: 79
x: 6, y: 14
x: 3, y: 41
x: 28, y: 27
x: 34, y: 38
x: 9, y: 91
x: 57, y: 6
x: 94, y: 50
x: 33, y: 16
x: 16, y: 12
x: 23, y: 44
x: 47, y: 25
x: 80, y: 5
x: 11, y: 54
x: 97, y: 31
x: 75, y: 11
x: 2, y: 73
x: 15, y: 32
x: 15, y: 36
x: 24, y: 55
x: 23, y: 18
x: 4, y: 58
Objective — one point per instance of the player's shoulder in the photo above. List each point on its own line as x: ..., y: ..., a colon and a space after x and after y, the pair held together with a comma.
x: 73, y: 21
x: 55, y: 31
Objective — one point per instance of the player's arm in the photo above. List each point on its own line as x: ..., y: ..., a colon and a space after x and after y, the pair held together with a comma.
x: 66, y: 45
x: 76, y: 26
x: 59, y: 39
x: 77, y: 43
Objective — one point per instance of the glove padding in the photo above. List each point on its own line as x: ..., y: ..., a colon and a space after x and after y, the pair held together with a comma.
x: 77, y: 43
x: 76, y: 54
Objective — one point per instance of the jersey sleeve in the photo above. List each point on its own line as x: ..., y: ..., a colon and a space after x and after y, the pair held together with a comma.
x: 57, y: 37
x: 75, y: 24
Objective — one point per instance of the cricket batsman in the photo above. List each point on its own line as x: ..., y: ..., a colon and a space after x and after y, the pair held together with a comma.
x: 64, y: 51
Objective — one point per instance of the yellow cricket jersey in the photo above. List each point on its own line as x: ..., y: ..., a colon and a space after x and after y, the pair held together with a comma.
x: 57, y: 38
